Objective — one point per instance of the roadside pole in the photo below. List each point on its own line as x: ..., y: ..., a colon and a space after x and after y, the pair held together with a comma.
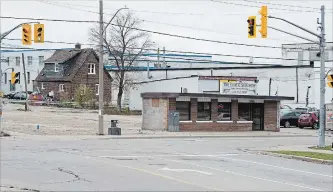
x: 322, y: 80
x: 100, y: 72
x: 322, y: 45
x: 25, y: 84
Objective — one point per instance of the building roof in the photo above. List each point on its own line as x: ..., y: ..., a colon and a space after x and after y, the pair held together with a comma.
x: 61, y: 56
x: 78, y: 56
x: 196, y: 95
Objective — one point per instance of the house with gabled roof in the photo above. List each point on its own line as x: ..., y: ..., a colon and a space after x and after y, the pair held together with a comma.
x: 67, y: 69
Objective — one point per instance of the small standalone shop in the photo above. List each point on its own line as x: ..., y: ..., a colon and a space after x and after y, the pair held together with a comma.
x: 210, y: 112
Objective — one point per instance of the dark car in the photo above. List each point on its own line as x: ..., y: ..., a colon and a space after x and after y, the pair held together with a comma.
x: 289, y: 118
x: 10, y: 95
x: 308, y: 120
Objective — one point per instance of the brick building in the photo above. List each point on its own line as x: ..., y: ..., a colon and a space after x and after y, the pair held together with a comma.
x: 67, y: 69
x: 211, y: 112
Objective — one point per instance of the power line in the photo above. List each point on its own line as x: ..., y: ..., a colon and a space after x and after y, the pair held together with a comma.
x: 256, y: 6
x: 284, y: 5
x: 174, y: 51
x: 178, y: 36
x: 89, y: 21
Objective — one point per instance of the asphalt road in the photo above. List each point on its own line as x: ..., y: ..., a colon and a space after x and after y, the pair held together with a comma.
x: 221, y: 164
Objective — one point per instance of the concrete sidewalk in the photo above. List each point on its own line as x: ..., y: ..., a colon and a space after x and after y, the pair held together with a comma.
x: 299, y: 148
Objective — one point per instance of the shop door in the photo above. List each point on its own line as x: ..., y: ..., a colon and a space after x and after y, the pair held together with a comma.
x: 258, y: 116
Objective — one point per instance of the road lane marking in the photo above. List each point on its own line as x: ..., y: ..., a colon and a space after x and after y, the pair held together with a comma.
x: 158, y: 175
x: 244, y: 175
x: 296, y: 170
x: 185, y: 170
x: 179, y: 155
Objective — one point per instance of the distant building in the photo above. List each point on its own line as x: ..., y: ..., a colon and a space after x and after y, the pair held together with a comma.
x: 67, y: 69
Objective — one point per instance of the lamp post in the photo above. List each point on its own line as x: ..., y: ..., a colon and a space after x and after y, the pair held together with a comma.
x: 102, y: 29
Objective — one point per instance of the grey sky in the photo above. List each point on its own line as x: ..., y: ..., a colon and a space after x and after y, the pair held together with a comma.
x: 201, y: 19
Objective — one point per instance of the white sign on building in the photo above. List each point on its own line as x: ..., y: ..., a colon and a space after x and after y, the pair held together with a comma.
x: 238, y: 87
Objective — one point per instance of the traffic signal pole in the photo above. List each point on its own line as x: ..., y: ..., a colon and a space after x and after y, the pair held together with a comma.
x: 322, y: 45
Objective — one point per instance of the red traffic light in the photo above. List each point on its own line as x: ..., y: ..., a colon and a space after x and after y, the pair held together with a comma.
x: 39, y: 29
x: 25, y: 31
x: 250, y: 21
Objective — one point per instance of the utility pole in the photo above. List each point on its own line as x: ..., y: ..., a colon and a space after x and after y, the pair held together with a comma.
x: 297, y: 85
x: 322, y: 45
x: 270, y: 86
x: 322, y: 80
x: 25, y: 84
x: 100, y: 72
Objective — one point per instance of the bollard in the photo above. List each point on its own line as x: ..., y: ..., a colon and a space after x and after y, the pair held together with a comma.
x: 114, y: 130
x: 37, y: 127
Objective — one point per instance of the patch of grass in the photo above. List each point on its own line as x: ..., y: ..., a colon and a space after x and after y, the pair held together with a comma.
x: 315, y: 155
x: 328, y: 147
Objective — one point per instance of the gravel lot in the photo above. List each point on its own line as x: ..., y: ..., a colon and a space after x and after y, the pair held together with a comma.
x: 61, y: 121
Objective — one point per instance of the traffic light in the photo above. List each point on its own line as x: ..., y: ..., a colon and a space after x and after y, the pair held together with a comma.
x: 263, y: 29
x: 39, y: 33
x: 15, y: 78
x: 26, y: 34
x: 330, y: 80
x: 252, y: 27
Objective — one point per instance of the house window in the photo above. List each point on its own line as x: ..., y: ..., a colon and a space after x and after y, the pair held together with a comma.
x: 204, y: 111
x: 224, y: 111
x: 5, y: 78
x: 91, y: 69
x: 244, y: 111
x: 41, y: 60
x: 56, y: 67
x: 97, y: 89
x: 29, y: 60
x: 184, y: 109
x: 42, y: 86
x: 18, y: 61
x: 61, y: 87
x: 28, y: 74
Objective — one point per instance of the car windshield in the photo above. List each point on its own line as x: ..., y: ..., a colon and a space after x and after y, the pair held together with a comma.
x: 283, y: 112
x: 305, y: 115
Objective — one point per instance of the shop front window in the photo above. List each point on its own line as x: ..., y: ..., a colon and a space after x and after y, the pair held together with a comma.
x: 224, y: 111
x: 244, y: 111
x: 184, y: 109
x: 204, y: 111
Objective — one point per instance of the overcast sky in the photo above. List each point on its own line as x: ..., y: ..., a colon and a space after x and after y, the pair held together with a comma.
x: 223, y: 21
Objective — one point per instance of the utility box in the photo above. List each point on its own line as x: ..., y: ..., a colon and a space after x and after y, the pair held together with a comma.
x: 114, y: 130
x: 173, y: 121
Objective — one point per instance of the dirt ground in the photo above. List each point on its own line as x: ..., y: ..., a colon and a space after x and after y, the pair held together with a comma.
x: 61, y: 121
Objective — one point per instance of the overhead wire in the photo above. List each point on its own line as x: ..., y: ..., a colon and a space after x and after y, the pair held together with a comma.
x: 174, y: 51
x: 180, y: 36
x: 283, y: 5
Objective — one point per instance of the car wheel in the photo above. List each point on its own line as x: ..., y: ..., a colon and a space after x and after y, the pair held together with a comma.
x: 287, y: 124
x: 301, y: 127
x: 315, y: 126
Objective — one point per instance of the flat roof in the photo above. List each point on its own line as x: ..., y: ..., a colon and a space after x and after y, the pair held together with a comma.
x: 195, y: 95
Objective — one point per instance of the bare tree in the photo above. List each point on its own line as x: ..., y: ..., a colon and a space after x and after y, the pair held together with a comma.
x: 125, y: 45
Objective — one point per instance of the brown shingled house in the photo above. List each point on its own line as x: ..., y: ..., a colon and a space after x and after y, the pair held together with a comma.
x: 67, y: 69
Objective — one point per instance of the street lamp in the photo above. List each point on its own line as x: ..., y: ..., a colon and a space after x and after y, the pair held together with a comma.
x: 102, y: 29
x: 307, y: 96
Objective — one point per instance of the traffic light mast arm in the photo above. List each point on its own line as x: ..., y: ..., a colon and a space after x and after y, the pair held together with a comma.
x: 295, y: 26
x: 292, y: 34
x: 8, y: 32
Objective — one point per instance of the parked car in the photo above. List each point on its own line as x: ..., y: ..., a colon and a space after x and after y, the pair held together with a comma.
x: 305, y: 109
x: 20, y: 95
x: 10, y: 95
x: 289, y: 117
x: 35, y: 96
x: 309, y: 120
x: 285, y: 107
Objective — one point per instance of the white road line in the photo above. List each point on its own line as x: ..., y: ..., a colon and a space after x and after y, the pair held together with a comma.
x: 285, y: 168
x: 149, y: 156
x: 244, y: 175
x: 185, y: 170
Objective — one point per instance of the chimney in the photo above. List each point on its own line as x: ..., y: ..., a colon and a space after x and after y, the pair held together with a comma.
x: 77, y: 46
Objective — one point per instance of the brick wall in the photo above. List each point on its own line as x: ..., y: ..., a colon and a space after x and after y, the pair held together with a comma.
x: 194, y: 109
x: 234, y: 110
x: 214, y: 126
x: 270, y: 116
x: 54, y: 86
x: 214, y: 111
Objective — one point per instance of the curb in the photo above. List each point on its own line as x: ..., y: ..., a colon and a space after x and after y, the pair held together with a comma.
x: 307, y: 159
x: 201, y: 136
